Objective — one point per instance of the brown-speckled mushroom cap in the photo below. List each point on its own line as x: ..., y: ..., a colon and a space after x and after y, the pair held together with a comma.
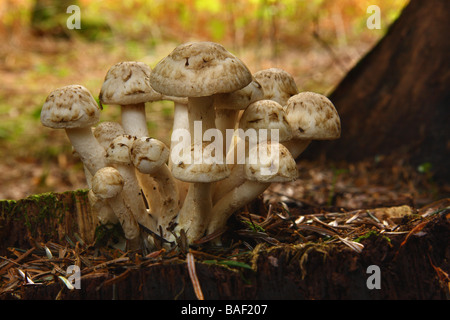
x: 270, y: 162
x: 128, y: 83
x: 203, y: 167
x: 278, y: 85
x: 312, y: 116
x: 148, y: 154
x: 71, y: 106
x: 266, y: 114
x: 199, y: 69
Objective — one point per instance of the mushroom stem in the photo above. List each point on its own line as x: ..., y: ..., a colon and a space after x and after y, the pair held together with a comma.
x: 134, y: 120
x: 91, y: 153
x: 201, y: 109
x: 232, y: 201
x: 194, y: 215
x: 169, y: 195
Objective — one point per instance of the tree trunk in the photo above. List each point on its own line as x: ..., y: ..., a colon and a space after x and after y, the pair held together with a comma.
x: 395, y: 102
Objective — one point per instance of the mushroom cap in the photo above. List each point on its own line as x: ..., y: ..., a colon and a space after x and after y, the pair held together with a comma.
x: 118, y: 151
x: 266, y: 114
x: 239, y: 99
x: 278, y: 85
x: 128, y: 83
x: 312, y: 116
x: 270, y: 162
x: 148, y: 154
x: 68, y: 107
x: 199, y: 69
x: 107, y: 183
x: 106, y: 131
x: 202, y: 167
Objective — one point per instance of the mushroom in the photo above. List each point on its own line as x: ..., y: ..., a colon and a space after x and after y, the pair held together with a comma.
x: 107, y: 183
x: 198, y: 71
x: 312, y: 116
x: 150, y: 156
x: 259, y: 116
x: 74, y: 109
x: 117, y: 155
x: 278, y: 85
x: 267, y: 162
x: 128, y: 84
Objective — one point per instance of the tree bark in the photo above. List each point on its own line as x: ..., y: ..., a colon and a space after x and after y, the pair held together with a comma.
x: 395, y: 102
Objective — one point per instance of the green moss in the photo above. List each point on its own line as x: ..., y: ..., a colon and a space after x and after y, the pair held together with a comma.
x: 369, y: 234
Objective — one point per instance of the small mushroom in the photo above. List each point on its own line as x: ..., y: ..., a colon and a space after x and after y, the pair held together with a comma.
x: 107, y: 183
x: 278, y: 85
x: 150, y: 156
x: 267, y: 162
x: 74, y: 109
x: 128, y: 84
x: 117, y: 155
x: 312, y: 116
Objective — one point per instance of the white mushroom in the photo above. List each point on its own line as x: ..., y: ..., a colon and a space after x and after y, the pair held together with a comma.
x: 74, y: 109
x: 128, y: 84
x: 107, y: 183
x: 312, y: 116
x: 118, y: 156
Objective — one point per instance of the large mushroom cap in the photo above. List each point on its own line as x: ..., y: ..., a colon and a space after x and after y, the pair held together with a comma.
x: 148, y: 154
x: 128, y: 83
x: 278, y: 85
x: 71, y: 106
x: 107, y: 183
x: 312, y: 116
x: 266, y: 114
x: 270, y: 162
x: 199, y: 69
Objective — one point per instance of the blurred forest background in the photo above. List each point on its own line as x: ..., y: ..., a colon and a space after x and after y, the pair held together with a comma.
x: 317, y: 41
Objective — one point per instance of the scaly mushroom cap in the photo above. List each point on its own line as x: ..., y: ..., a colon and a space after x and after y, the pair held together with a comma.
x: 119, y: 149
x: 148, y: 154
x: 107, y: 183
x: 266, y: 114
x: 239, y: 99
x: 312, y: 116
x: 203, y: 167
x: 128, y: 83
x: 278, y: 85
x: 70, y: 107
x: 270, y: 162
x: 199, y: 69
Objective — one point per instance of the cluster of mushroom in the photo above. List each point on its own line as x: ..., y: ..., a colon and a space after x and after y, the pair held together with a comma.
x: 194, y: 185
